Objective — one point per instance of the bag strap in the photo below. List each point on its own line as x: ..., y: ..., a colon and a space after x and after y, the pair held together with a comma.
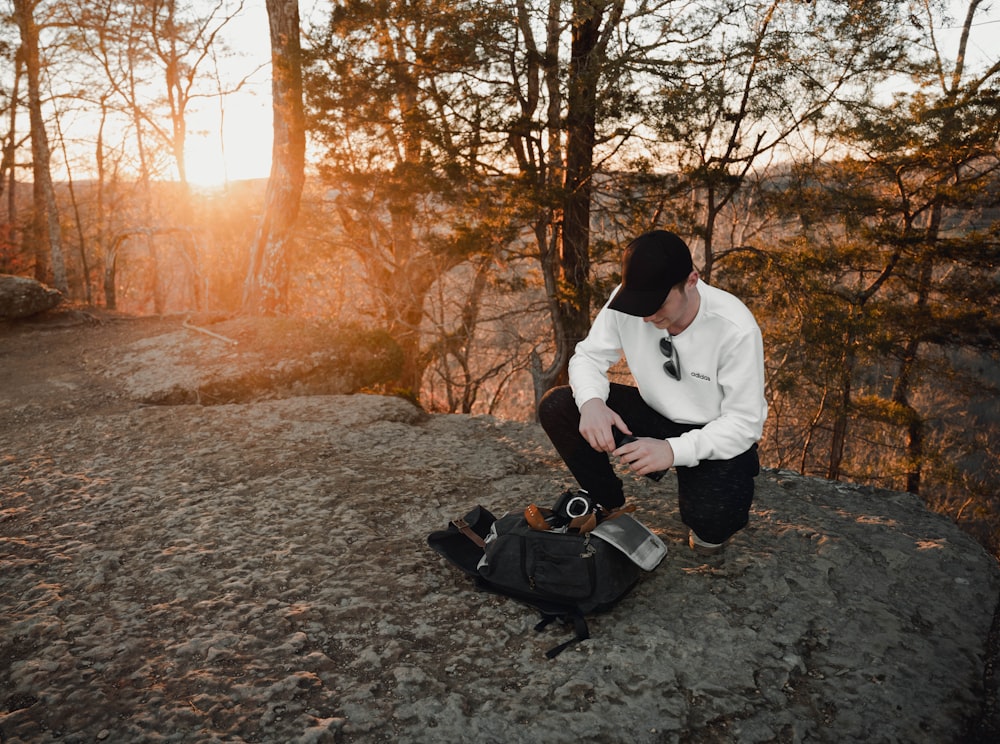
x: 579, y: 627
x: 586, y: 523
x: 462, y: 526
x: 627, y: 509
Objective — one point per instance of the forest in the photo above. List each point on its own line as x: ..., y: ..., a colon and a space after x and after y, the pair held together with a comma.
x: 464, y: 174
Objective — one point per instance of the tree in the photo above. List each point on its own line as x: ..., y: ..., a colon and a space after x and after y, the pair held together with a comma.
x: 8, y: 180
x: 733, y: 83
x: 182, y: 39
x: 938, y: 150
x: 891, y: 278
x: 46, y: 209
x: 737, y: 100
x: 134, y: 69
x: 593, y: 25
x: 152, y: 54
x: 565, y: 111
x: 266, y: 286
x: 397, y: 97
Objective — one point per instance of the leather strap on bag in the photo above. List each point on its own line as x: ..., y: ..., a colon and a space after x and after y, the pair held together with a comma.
x: 462, y: 526
x: 536, y: 517
x: 588, y: 522
x: 583, y: 524
x: 628, y: 509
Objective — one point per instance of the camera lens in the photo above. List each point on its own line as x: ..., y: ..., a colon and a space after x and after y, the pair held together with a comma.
x: 577, y: 507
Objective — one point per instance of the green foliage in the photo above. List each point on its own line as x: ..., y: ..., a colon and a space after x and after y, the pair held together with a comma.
x: 372, y: 357
x: 364, y: 358
x: 889, y: 276
x: 396, y: 107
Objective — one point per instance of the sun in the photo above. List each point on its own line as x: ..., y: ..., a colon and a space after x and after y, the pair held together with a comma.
x: 233, y: 144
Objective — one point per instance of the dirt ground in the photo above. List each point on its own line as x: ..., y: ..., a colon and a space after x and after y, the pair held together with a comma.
x: 43, y: 359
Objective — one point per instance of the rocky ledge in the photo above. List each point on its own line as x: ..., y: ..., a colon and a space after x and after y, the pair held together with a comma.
x: 258, y: 571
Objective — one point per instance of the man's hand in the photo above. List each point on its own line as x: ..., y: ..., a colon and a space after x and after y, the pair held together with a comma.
x: 596, y: 420
x: 646, y: 455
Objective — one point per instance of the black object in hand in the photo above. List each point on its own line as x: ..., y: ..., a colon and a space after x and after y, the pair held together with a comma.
x: 621, y: 439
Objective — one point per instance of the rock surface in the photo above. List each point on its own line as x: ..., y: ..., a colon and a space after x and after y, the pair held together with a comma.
x: 21, y: 297
x: 258, y: 572
x: 238, y: 360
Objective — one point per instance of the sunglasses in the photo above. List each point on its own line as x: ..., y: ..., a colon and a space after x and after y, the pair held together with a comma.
x: 673, y: 364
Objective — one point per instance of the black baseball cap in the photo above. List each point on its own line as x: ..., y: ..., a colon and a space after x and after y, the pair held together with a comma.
x: 653, y: 264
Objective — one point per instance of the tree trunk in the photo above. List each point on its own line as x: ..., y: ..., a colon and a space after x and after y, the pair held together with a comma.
x: 581, y: 122
x: 24, y: 12
x: 569, y: 279
x: 8, y: 180
x: 903, y: 385
x: 265, y: 291
x: 842, y: 410
x: 544, y: 167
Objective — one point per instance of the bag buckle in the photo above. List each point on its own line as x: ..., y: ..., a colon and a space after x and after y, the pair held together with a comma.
x: 462, y: 526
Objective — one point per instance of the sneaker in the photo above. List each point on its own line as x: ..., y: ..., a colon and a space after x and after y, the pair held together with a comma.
x: 702, y: 547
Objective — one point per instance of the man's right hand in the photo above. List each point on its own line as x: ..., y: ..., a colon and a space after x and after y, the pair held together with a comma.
x: 596, y: 420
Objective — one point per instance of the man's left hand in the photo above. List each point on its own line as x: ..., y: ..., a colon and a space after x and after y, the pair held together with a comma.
x: 646, y: 455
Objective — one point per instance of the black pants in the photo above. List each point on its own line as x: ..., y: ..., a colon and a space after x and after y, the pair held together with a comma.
x: 714, y: 497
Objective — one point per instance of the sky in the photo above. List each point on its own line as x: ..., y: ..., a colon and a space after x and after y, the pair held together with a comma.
x: 246, y: 123
x: 245, y: 118
x: 983, y: 46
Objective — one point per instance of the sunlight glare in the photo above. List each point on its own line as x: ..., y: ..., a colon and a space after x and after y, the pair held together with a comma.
x: 244, y: 150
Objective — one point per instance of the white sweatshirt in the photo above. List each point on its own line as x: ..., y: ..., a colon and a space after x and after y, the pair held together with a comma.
x: 721, y: 357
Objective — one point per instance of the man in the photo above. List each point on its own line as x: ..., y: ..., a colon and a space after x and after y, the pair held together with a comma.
x: 697, y: 358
